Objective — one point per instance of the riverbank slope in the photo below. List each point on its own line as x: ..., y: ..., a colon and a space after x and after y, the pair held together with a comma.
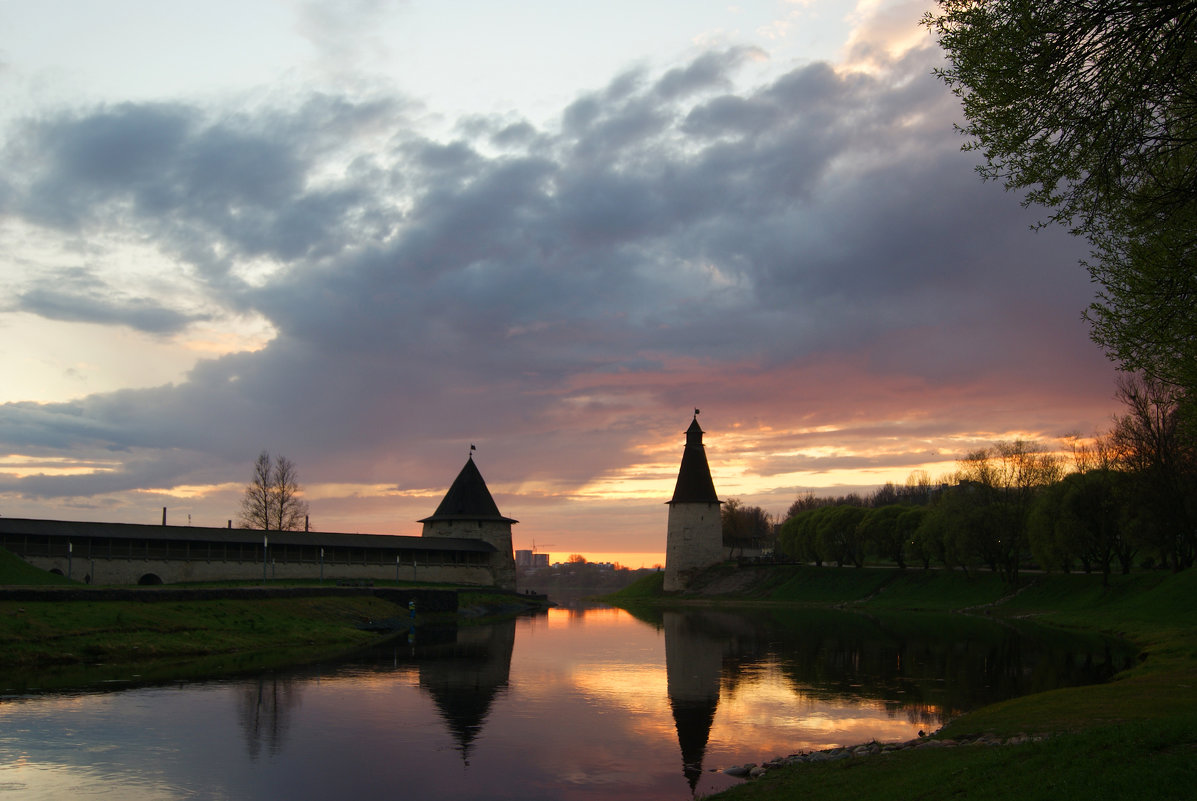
x: 1135, y: 736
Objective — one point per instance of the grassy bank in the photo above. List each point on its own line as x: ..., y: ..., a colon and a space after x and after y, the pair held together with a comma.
x: 15, y: 571
x: 50, y: 644
x: 1135, y: 736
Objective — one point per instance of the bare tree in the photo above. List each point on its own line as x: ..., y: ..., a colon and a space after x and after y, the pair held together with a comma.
x: 288, y: 506
x: 273, y: 498
x: 255, y: 503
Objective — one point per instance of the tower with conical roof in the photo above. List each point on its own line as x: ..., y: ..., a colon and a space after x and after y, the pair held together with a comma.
x: 469, y: 512
x: 695, y: 531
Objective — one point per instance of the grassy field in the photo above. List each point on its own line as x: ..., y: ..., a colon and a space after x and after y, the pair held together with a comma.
x: 50, y: 645
x: 1134, y: 737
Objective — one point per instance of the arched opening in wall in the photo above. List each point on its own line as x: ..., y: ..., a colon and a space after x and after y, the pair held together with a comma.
x: 55, y: 571
x: 149, y: 578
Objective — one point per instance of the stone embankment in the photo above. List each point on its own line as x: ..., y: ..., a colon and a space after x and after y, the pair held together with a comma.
x: 753, y: 771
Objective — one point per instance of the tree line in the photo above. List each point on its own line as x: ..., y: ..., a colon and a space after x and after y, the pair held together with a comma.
x: 1127, y: 495
x: 1088, y: 109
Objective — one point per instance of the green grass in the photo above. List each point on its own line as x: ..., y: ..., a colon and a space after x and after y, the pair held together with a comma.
x: 1109, y: 763
x: 16, y: 572
x: 642, y: 589
x: 822, y: 585
x: 43, y: 638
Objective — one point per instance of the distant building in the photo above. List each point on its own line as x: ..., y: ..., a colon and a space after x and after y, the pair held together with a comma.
x: 540, y: 560
x: 469, y: 512
x: 694, y: 537
x: 523, y: 558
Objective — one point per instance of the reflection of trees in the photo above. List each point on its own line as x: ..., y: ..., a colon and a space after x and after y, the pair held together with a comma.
x: 928, y: 667
x: 264, y: 708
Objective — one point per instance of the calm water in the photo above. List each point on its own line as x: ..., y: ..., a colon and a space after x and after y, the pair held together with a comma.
x: 593, y: 704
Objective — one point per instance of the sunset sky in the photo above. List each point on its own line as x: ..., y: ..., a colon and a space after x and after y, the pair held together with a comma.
x: 366, y: 234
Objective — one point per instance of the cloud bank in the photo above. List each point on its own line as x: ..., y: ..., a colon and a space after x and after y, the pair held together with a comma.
x: 811, y: 260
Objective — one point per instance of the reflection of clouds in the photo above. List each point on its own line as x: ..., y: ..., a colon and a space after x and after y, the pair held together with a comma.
x: 638, y: 689
x: 54, y: 780
x: 766, y: 706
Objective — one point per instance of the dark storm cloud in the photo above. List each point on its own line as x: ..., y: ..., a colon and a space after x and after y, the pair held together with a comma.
x: 214, y: 190
x: 78, y: 295
x: 547, y: 295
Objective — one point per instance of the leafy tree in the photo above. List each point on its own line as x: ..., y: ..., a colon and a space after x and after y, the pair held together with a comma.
x: 1163, y: 465
x: 837, y: 535
x: 799, y: 537
x: 918, y: 487
x: 927, y: 543
x: 273, y: 500
x: 803, y: 503
x: 908, y: 524
x: 745, y: 526
x: 1004, y: 480
x: 1090, y: 107
x: 882, y: 532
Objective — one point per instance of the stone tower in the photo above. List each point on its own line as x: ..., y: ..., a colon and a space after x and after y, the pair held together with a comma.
x: 695, y: 533
x: 468, y: 511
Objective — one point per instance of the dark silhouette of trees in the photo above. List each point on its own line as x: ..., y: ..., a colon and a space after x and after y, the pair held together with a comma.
x: 745, y: 527
x: 1153, y: 448
x: 273, y: 499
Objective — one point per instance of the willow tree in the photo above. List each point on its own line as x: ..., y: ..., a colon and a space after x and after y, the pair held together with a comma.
x: 1090, y: 109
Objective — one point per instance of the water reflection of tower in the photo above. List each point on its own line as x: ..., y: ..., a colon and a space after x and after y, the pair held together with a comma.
x: 693, y: 665
x: 264, y: 708
x: 464, y: 678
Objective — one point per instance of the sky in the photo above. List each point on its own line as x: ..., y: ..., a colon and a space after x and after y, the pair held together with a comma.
x: 368, y: 234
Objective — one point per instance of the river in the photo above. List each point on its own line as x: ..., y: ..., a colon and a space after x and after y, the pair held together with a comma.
x: 573, y: 704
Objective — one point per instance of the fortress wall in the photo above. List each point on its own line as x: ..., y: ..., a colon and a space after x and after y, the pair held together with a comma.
x: 494, y: 532
x: 171, y: 571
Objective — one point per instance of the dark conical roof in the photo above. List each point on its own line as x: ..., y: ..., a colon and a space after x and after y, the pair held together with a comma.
x: 468, y: 499
x: 694, y: 484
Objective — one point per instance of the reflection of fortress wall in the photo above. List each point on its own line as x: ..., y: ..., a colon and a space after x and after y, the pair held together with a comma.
x: 695, y: 531
x: 693, y: 665
x: 464, y: 677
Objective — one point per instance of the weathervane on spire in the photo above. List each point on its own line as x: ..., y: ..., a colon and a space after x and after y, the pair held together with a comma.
x: 472, y: 449
x: 696, y: 411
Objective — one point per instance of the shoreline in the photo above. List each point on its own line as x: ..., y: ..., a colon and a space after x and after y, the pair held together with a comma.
x: 1131, y: 735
